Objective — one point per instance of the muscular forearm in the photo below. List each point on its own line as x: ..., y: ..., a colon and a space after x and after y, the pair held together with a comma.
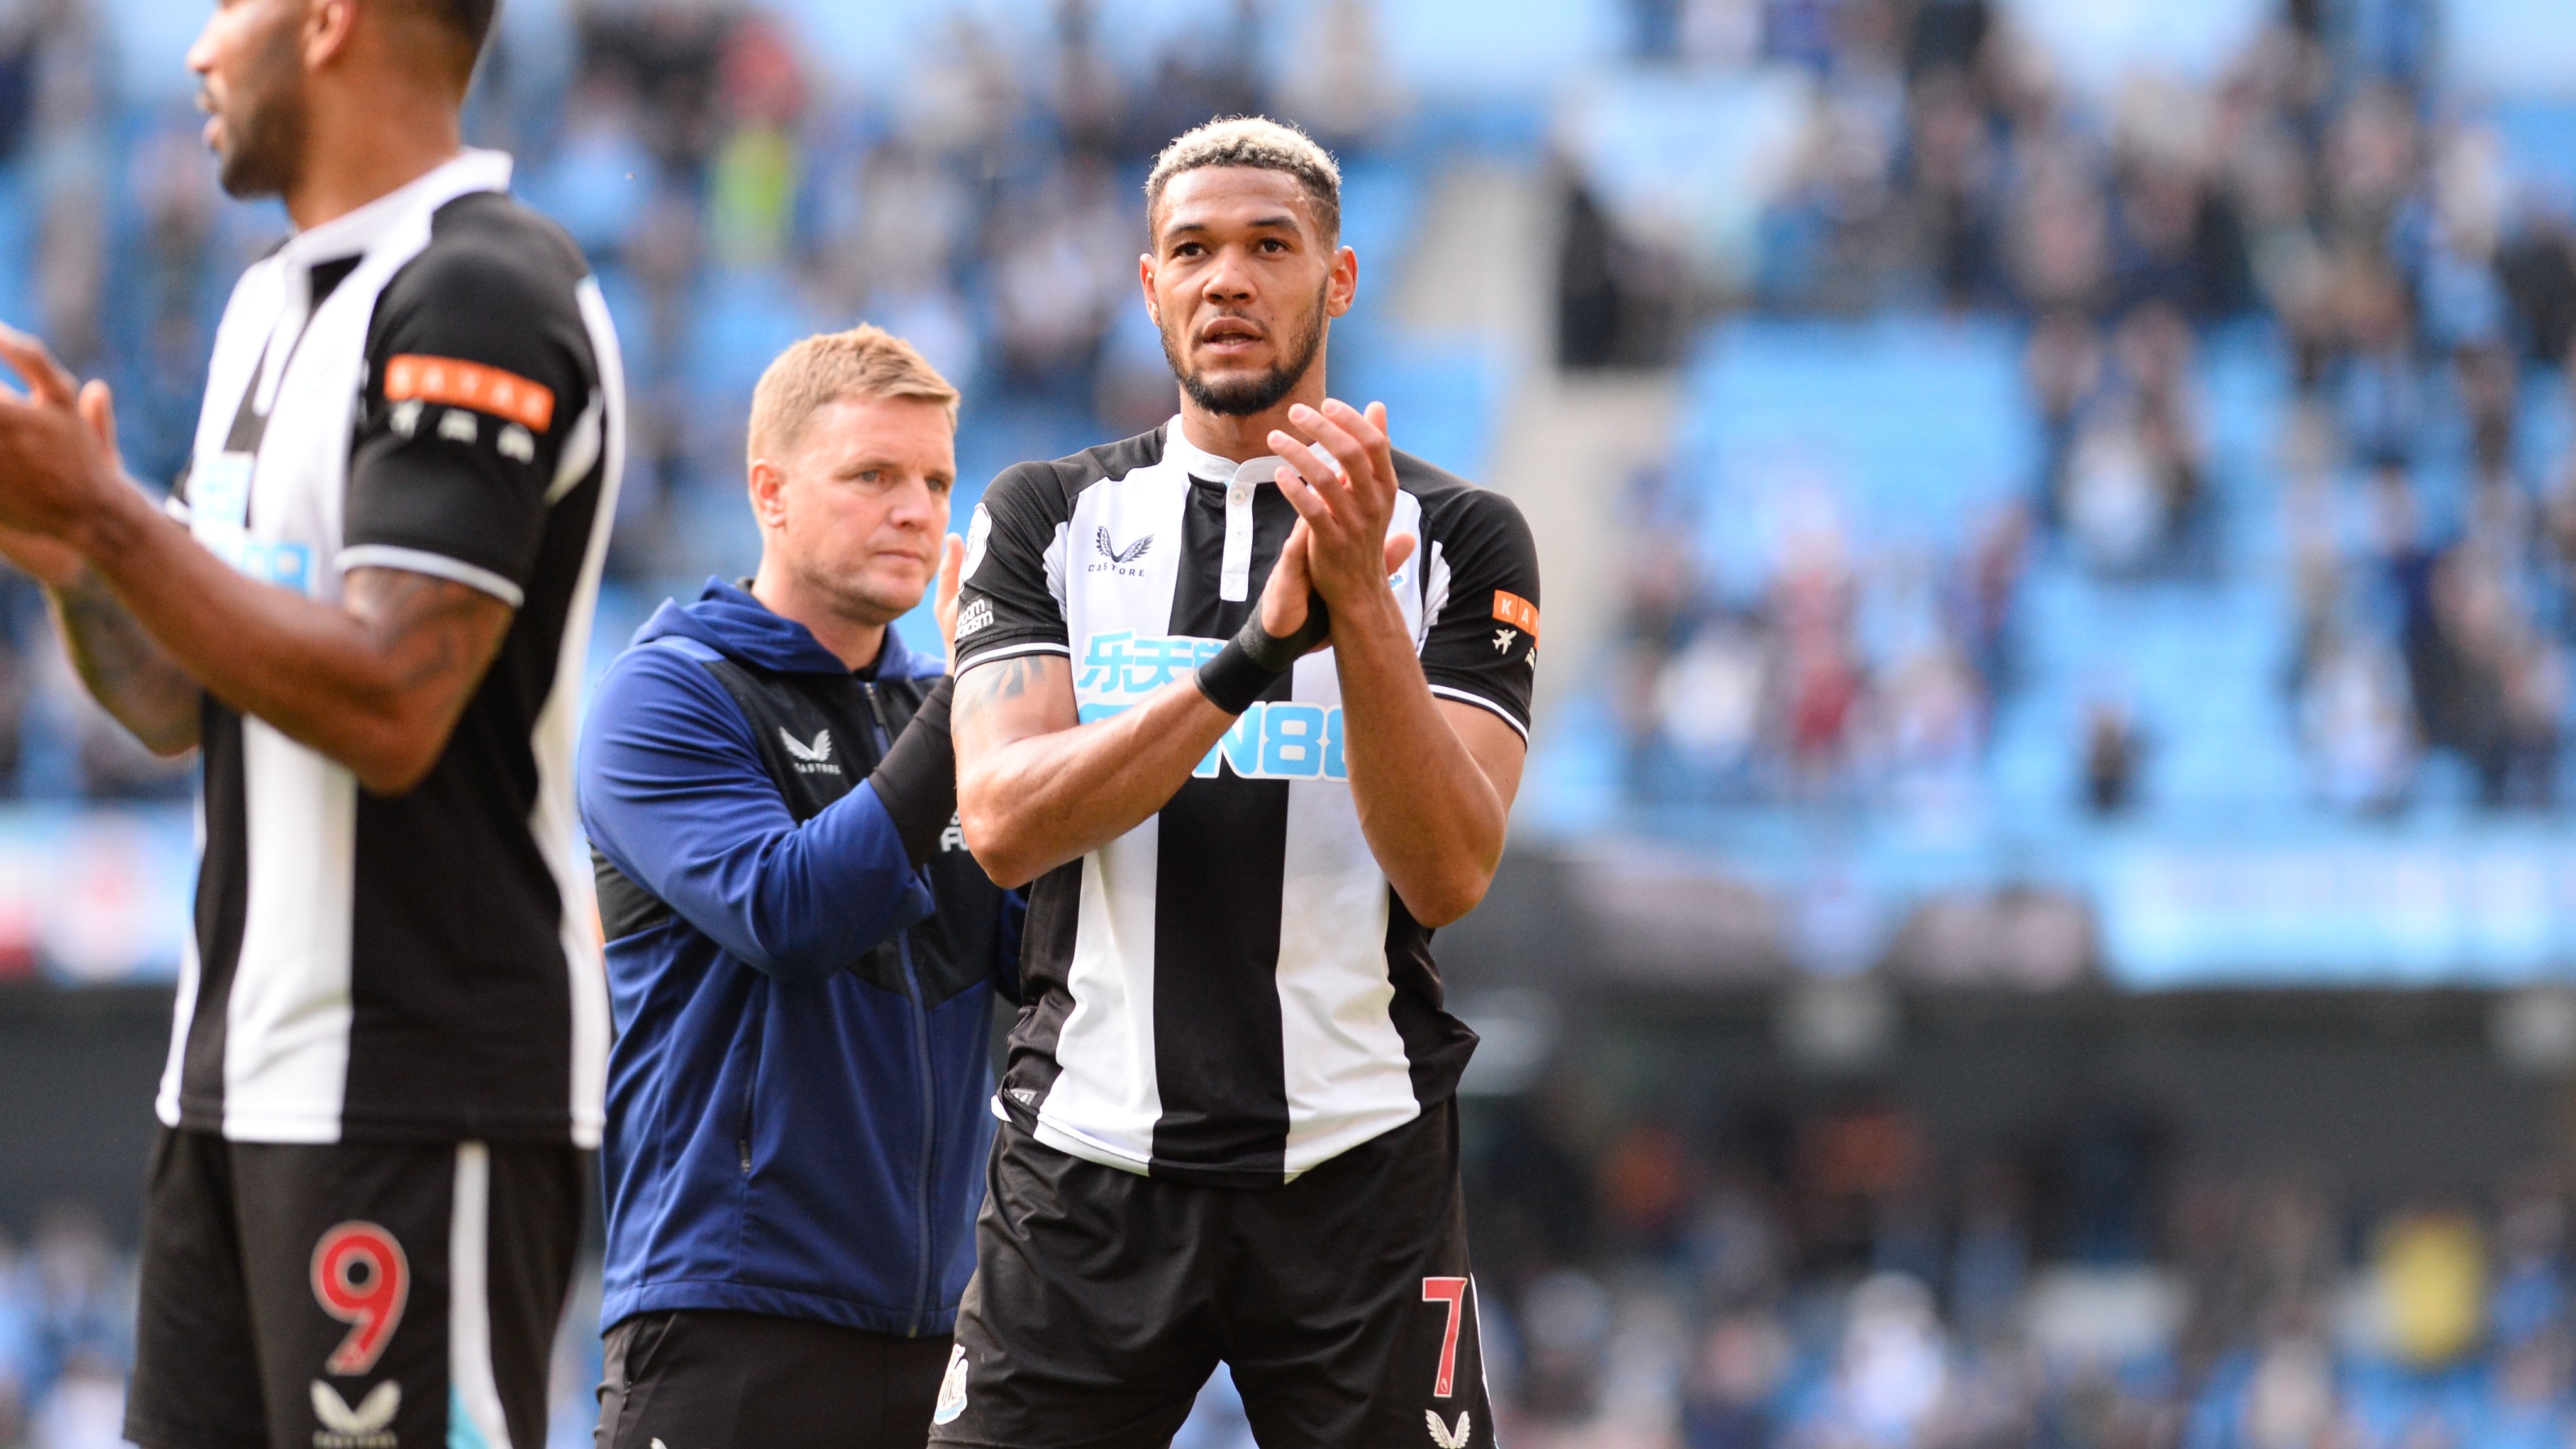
x: 1431, y: 815
x: 129, y: 675
x: 1029, y: 805
x: 313, y: 671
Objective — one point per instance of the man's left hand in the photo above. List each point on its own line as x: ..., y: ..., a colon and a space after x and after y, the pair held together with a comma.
x: 55, y: 472
x: 1341, y: 479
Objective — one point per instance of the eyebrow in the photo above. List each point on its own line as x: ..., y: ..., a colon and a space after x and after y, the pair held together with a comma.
x: 1280, y: 222
x: 866, y: 461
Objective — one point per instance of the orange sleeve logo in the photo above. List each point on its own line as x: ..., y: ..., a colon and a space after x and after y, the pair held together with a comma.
x: 1516, y: 611
x: 460, y: 384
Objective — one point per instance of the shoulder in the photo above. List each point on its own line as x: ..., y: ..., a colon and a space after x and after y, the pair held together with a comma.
x: 487, y: 251
x: 1049, y: 488
x: 653, y: 686
x: 1452, y: 507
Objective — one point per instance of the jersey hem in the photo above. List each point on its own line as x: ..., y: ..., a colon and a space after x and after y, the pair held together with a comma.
x: 1101, y: 1154
x: 717, y: 1295
x: 286, y: 1129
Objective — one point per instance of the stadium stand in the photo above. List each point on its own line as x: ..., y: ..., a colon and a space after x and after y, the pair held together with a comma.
x: 2079, y: 504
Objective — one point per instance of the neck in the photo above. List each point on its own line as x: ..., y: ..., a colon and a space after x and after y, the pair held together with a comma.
x: 852, y: 641
x: 365, y: 148
x: 1245, y: 437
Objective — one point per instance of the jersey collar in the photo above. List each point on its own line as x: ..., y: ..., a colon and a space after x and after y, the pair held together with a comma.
x: 347, y: 236
x: 1207, y: 467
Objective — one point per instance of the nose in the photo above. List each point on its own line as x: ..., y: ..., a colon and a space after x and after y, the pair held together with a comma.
x: 1230, y: 280
x: 915, y: 506
x: 201, y: 51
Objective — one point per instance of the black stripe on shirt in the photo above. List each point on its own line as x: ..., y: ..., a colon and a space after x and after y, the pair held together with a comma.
x: 223, y: 907
x: 1219, y: 1042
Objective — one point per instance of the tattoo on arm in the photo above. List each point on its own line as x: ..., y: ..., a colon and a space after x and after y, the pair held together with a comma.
x: 986, y: 684
x: 129, y: 674
x: 437, y: 632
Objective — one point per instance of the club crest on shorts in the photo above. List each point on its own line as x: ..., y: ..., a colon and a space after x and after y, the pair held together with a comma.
x: 952, y: 1389
x: 368, y: 1425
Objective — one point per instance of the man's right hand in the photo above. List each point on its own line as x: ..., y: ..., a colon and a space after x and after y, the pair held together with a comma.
x: 1284, y: 599
x: 50, y: 561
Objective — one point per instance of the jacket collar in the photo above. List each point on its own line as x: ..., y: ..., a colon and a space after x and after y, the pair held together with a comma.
x: 731, y: 618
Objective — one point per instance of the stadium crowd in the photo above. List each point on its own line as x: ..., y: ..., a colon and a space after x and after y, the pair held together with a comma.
x: 1829, y: 1282
x: 731, y: 202
x: 2324, y: 204
x: 1832, y: 1281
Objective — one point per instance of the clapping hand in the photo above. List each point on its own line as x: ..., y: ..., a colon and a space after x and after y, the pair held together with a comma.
x: 1341, y: 480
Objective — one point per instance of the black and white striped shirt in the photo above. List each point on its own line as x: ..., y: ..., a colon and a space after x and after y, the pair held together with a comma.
x: 1231, y: 992
x: 429, y: 383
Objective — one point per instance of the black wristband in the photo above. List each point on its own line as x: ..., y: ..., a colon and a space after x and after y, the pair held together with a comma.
x: 917, y: 779
x: 1233, y: 680
x: 1253, y: 660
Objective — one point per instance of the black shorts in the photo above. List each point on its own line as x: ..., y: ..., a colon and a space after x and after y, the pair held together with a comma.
x: 350, y: 1296
x: 712, y: 1380
x: 1102, y: 1301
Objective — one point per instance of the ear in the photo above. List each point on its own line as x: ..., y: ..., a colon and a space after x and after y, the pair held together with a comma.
x: 1344, y: 287
x: 329, y: 27
x: 1145, y: 279
x: 768, y: 494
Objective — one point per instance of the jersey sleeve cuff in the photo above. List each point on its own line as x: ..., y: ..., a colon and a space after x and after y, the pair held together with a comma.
x: 1463, y: 696
x: 436, y: 565
x: 985, y: 653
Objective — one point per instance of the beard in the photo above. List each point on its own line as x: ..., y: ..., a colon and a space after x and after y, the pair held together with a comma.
x: 1243, y: 397
x: 264, y: 131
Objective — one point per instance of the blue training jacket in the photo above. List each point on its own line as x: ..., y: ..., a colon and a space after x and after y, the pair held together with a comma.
x: 798, y: 1096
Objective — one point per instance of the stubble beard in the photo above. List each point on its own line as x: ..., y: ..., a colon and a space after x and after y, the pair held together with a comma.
x: 264, y: 134
x: 1243, y: 397
x: 856, y: 596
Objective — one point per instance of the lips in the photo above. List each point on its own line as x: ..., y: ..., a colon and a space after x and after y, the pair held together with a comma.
x: 1229, y: 334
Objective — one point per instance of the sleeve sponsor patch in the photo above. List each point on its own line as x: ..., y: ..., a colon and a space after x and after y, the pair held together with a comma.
x: 452, y: 382
x: 1516, y: 611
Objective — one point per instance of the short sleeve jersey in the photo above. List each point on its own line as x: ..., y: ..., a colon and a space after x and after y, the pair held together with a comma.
x: 428, y: 385
x: 1230, y: 992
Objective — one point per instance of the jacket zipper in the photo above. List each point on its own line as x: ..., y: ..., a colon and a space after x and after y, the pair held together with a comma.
x: 920, y: 1023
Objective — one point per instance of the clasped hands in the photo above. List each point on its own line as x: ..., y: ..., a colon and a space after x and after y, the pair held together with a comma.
x: 1340, y: 477
x: 58, y: 460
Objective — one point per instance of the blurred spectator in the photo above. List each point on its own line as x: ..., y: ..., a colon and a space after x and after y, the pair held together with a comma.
x: 2431, y: 1271
x: 2111, y: 756
x: 1338, y: 85
x: 1894, y: 1369
x: 69, y: 161
x: 1210, y: 69
x: 85, y: 1409
x: 1727, y: 1401
x: 79, y: 1294
x: 2357, y: 720
x: 665, y: 53
x: 1620, y: 300
x: 1085, y: 94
